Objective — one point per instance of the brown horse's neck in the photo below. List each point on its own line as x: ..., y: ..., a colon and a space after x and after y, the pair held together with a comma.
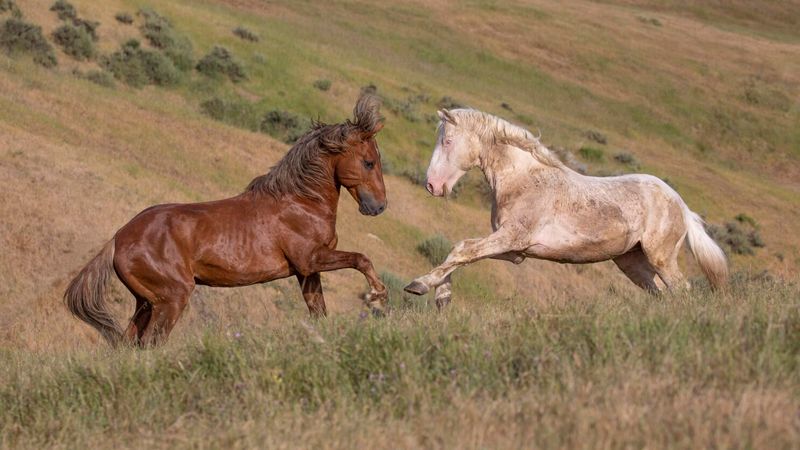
x: 327, y: 189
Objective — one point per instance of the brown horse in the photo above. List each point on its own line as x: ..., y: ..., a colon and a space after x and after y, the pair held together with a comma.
x: 284, y: 224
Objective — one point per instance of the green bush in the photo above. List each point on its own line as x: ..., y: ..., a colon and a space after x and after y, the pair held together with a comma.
x: 220, y: 62
x: 284, y: 125
x: 435, y: 249
x: 239, y: 113
x: 627, y: 159
x: 100, y: 77
x: 160, y: 34
x: 448, y: 102
x: 19, y: 37
x: 369, y: 89
x: 398, y: 298
x: 88, y: 26
x: 649, y: 20
x: 137, y: 67
x: 597, y: 136
x: 64, y: 10
x: 75, y: 42
x: 10, y: 6
x: 123, y: 17
x: 67, y: 13
x: 322, y: 85
x: 244, y: 33
x: 739, y: 236
x: 416, y: 175
x: 592, y: 154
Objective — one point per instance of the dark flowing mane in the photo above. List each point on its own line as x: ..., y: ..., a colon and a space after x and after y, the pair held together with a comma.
x: 303, y: 168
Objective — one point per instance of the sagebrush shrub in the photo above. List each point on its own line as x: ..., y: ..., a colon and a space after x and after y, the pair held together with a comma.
x: 220, y: 62
x: 67, y: 13
x: 627, y: 159
x: 138, y: 67
x: 739, y: 236
x: 100, y: 77
x: 597, y: 136
x: 10, y: 6
x: 244, y: 33
x: 123, y: 17
x: 20, y: 37
x: 284, y: 125
x: 397, y: 296
x: 159, y: 32
x: 64, y: 10
x: 239, y: 113
x: 592, y: 154
x: 322, y: 85
x: 435, y: 249
x: 448, y: 102
x: 75, y: 42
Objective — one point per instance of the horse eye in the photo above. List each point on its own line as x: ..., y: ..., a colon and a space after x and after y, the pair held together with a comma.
x: 448, y: 141
x: 369, y: 164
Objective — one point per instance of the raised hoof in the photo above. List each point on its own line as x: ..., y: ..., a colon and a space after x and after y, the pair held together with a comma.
x: 416, y: 288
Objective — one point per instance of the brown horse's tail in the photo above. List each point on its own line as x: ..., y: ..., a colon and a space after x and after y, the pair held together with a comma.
x: 707, y: 253
x: 85, y: 295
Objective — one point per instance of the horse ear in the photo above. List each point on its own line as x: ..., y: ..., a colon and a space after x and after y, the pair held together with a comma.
x: 367, y: 134
x: 367, y: 118
x: 446, y: 116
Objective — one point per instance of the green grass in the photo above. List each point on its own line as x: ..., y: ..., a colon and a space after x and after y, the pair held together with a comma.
x: 419, y: 362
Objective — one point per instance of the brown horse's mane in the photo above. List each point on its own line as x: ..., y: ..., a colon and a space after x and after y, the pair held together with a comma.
x: 303, y: 169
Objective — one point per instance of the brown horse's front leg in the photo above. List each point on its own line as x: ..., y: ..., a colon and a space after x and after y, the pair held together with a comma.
x: 312, y: 294
x: 326, y: 259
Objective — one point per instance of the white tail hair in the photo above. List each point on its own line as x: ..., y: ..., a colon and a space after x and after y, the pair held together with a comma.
x: 709, y: 256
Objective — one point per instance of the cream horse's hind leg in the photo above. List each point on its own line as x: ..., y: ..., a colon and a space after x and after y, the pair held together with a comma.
x: 443, y: 293
x: 635, y: 265
x: 465, y: 252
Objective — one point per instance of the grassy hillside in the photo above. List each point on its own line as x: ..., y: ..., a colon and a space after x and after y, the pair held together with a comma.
x: 703, y: 96
x: 623, y: 371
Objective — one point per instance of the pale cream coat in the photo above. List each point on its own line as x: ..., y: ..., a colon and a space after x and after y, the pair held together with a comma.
x: 542, y: 209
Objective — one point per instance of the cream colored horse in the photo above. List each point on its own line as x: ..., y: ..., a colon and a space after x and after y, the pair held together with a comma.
x: 542, y: 209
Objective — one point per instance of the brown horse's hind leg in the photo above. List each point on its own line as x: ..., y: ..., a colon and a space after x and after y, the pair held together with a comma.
x: 635, y: 265
x: 141, y: 316
x: 312, y: 293
x: 164, y: 317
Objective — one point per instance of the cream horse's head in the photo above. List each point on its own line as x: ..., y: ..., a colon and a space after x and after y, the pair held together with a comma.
x: 456, y: 152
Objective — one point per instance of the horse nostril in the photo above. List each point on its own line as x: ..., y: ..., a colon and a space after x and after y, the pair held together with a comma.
x: 429, y: 186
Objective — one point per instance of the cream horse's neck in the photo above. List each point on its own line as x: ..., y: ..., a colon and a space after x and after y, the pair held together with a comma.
x: 509, y: 169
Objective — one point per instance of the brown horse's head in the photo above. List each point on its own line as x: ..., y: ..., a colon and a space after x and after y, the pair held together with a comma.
x: 358, y: 168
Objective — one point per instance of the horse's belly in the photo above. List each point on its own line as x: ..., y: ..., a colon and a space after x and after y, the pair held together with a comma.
x: 232, y: 273
x: 566, y: 246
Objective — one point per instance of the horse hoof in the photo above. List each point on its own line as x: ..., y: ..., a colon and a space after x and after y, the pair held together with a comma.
x: 416, y: 288
x: 441, y: 303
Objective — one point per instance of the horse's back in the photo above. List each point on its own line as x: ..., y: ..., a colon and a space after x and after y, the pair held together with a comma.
x: 222, y: 243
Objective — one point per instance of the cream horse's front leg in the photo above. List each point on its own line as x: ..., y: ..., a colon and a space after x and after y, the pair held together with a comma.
x: 465, y: 252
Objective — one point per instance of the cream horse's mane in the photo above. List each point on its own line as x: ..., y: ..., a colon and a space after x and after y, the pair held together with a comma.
x: 493, y: 130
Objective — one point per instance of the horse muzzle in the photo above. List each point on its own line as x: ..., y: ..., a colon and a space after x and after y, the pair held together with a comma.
x: 371, y: 209
x: 369, y: 206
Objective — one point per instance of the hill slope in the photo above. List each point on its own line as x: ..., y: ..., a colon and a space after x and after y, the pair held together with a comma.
x: 708, y: 101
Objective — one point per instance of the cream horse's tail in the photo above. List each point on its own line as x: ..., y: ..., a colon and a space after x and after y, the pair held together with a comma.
x: 707, y: 253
